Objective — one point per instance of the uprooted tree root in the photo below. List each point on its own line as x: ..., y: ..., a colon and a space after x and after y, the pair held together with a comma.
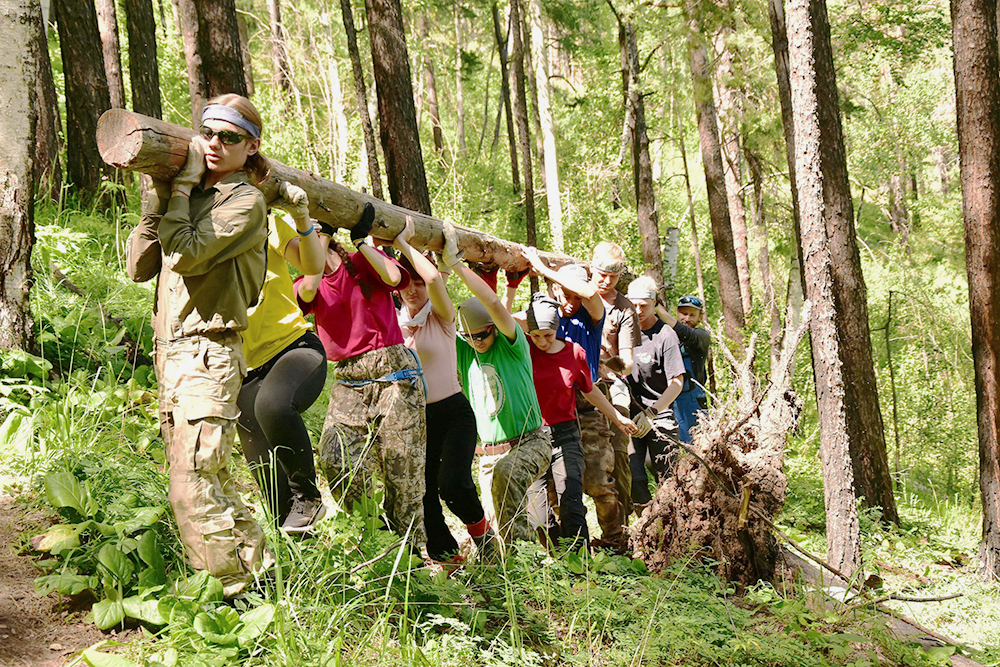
x: 728, y: 478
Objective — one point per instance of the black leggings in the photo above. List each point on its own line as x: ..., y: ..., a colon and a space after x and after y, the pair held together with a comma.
x: 271, y: 403
x: 451, y: 446
x: 660, y: 445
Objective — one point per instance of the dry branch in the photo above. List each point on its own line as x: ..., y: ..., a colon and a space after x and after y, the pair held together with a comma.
x: 135, y: 142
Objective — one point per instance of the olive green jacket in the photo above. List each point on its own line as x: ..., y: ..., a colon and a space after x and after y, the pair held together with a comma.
x: 209, y: 254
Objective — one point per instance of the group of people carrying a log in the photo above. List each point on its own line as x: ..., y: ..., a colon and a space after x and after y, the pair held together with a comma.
x: 548, y: 397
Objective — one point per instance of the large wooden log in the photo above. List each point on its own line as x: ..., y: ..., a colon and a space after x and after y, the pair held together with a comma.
x: 135, y: 142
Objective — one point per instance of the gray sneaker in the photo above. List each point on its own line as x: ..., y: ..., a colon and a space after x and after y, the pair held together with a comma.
x: 304, y: 515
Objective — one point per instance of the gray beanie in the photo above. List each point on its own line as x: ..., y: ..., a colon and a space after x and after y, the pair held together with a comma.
x: 543, y: 312
x: 472, y: 315
x: 578, y: 271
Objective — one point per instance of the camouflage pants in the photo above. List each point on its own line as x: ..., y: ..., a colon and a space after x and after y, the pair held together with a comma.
x: 598, y: 477
x: 504, y: 480
x: 619, y: 396
x: 378, y: 425
x: 199, y: 379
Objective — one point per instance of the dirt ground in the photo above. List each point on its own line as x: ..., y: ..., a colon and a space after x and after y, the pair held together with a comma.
x: 35, y: 631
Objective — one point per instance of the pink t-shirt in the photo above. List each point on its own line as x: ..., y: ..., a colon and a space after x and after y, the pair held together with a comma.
x: 347, y: 322
x: 434, y: 343
x: 557, y: 377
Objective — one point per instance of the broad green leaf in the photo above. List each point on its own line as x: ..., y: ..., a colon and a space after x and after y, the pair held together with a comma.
x: 574, y: 563
x: 144, y: 517
x: 116, y: 563
x: 144, y: 610
x: 150, y: 578
x: 254, y: 623
x: 108, y: 614
x: 219, y: 626
x: 62, y: 489
x: 149, y: 551
x: 58, y: 538
x: 16, y: 432
x: 95, y: 658
x: 67, y: 584
x: 178, y: 611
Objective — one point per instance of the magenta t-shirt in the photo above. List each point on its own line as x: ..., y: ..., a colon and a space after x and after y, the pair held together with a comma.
x: 557, y: 377
x: 347, y: 322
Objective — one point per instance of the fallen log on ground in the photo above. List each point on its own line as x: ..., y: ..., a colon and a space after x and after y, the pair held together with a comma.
x: 135, y: 142
x: 722, y: 495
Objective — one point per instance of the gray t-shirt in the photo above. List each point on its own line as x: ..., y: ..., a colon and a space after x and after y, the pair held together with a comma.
x: 657, y: 360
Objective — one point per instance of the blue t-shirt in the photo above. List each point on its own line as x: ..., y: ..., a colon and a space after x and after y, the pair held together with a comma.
x: 579, y: 328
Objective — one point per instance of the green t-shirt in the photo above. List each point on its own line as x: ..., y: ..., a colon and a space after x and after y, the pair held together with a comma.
x: 500, y: 387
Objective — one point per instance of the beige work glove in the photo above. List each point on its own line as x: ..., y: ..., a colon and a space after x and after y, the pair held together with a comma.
x: 451, y: 255
x: 642, y: 425
x: 193, y: 169
x: 293, y: 199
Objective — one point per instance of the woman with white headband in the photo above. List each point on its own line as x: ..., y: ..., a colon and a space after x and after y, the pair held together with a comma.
x: 205, y: 234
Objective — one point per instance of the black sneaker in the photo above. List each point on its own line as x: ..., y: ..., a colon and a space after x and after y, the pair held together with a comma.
x: 303, y: 516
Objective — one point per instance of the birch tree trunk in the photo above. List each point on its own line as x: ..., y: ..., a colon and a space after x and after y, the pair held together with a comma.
x: 842, y: 528
x: 361, y: 97
x: 501, y: 41
x: 552, y: 195
x: 20, y: 25
x: 977, y: 94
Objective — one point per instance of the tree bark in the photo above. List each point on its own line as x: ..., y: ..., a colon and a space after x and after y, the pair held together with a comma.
x: 361, y: 96
x: 107, y: 24
x: 20, y: 25
x: 187, y: 12
x: 86, y: 94
x: 763, y: 252
x: 279, y: 56
x: 144, y: 71
x: 842, y: 529
x: 715, y: 182
x: 866, y: 431
x: 552, y: 194
x: 730, y: 112
x: 520, y: 102
x: 154, y: 147
x: 404, y: 163
x: 977, y: 94
x: 501, y: 41
x: 48, y: 165
x: 219, y: 45
x: 430, y: 86
x: 642, y: 168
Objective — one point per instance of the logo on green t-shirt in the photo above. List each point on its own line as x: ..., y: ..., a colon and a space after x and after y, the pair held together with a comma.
x: 486, y: 389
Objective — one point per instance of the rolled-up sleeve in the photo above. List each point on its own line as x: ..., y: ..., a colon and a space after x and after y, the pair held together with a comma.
x: 226, y: 230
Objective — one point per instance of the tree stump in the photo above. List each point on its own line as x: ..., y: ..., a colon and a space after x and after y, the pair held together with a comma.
x: 729, y: 479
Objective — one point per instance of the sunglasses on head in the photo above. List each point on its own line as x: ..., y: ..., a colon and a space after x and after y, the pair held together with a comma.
x: 228, y: 137
x: 482, y: 335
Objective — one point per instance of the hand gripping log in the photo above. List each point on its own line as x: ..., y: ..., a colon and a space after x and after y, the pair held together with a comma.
x: 135, y: 142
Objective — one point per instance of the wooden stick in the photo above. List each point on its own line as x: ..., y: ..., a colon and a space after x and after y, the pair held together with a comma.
x: 135, y: 142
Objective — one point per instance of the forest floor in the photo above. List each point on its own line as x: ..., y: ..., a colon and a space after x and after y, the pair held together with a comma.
x: 35, y: 631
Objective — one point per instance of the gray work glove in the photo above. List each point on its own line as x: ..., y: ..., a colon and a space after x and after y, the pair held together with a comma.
x: 451, y: 255
x: 193, y: 169
x: 293, y: 199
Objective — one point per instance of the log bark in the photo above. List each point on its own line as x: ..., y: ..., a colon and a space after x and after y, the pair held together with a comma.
x: 139, y: 143
x: 977, y: 94
x: 19, y: 29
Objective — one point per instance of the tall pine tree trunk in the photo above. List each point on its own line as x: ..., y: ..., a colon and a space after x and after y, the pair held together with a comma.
x: 361, y: 97
x: 715, y: 181
x: 552, y: 196
x: 143, y: 70
x: 219, y: 45
x: 48, y: 166
x: 19, y: 30
x: 279, y: 56
x: 404, y: 163
x: 107, y: 24
x: 520, y: 102
x: 501, y: 41
x: 842, y: 529
x: 977, y: 94
x: 86, y: 94
x: 187, y: 13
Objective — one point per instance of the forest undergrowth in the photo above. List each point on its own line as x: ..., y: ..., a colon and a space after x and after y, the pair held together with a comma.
x: 79, y: 435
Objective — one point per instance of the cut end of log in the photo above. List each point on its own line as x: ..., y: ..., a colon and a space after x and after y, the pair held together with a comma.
x: 119, y: 137
x: 134, y: 142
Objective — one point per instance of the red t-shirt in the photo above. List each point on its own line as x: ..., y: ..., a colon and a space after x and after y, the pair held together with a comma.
x: 557, y: 377
x: 346, y: 322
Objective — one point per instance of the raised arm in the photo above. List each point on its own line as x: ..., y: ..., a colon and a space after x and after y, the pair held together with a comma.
x: 582, y: 288
x: 436, y: 289
x: 501, y: 317
x: 305, y: 253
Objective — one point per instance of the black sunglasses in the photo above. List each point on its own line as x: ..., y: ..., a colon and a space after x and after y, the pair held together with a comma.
x: 228, y: 137
x: 482, y: 335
